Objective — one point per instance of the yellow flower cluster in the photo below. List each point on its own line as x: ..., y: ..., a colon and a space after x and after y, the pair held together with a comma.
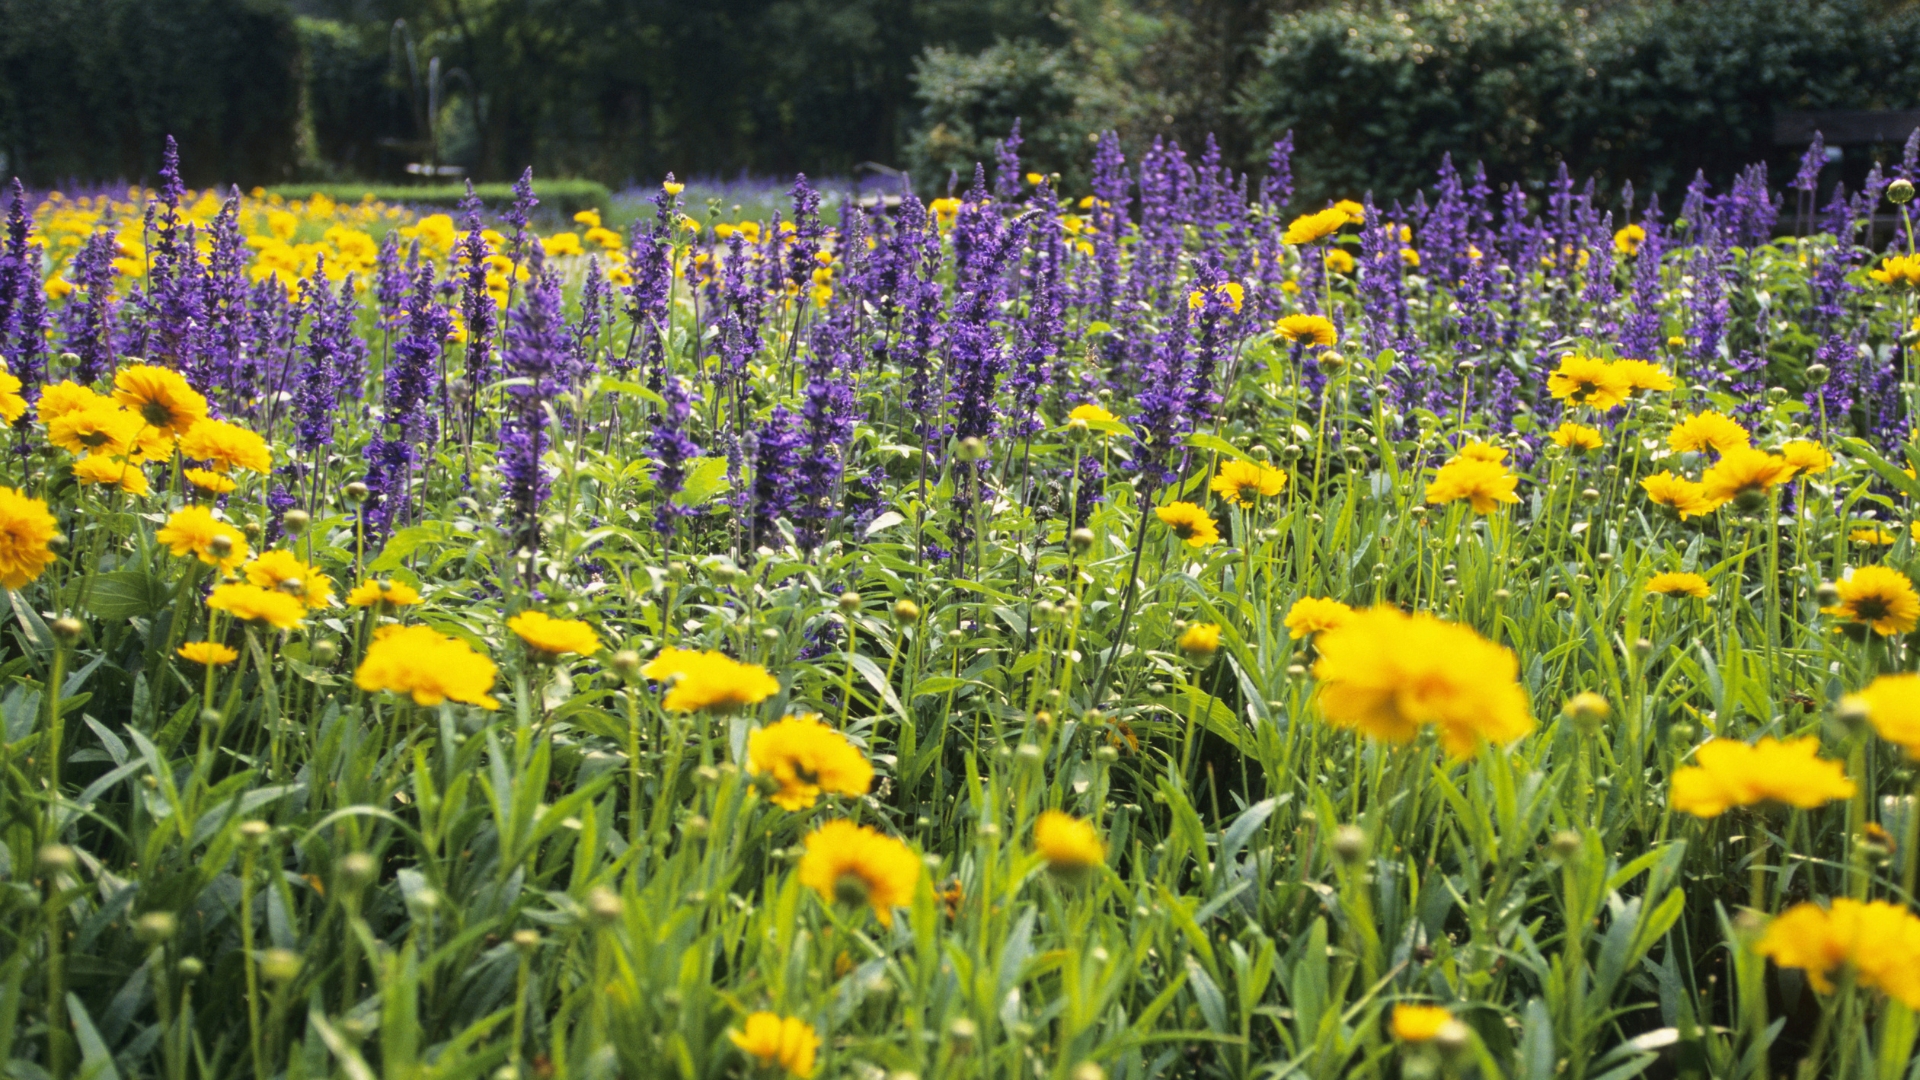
x: 803, y: 759
x: 1483, y: 484
x: 1878, y: 942
x: 428, y: 666
x: 708, y: 681
x: 1193, y: 525
x: 1388, y: 674
x: 27, y: 530
x: 1307, y: 329
x: 1728, y: 773
x: 787, y: 1043
x: 1314, y: 614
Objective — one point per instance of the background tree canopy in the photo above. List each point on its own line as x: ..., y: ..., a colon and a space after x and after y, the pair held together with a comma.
x: 626, y: 90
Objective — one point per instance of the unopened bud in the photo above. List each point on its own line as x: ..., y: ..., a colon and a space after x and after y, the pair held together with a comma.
x: 357, y: 869
x: 1900, y: 192
x: 604, y: 906
x: 295, y: 522
x: 355, y: 492
x: 1565, y: 845
x: 324, y: 652
x: 906, y: 611
x: 56, y: 859
x: 1082, y: 539
x: 1588, y: 711
x: 626, y: 664
x: 1827, y: 594
x: 155, y: 927
x: 279, y: 965
x: 849, y: 601
x: 67, y: 628
x: 1350, y: 844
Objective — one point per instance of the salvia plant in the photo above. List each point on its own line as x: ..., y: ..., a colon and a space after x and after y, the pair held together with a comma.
x: 1157, y: 631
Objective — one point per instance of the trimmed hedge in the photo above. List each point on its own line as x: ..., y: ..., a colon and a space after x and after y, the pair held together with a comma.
x: 561, y: 197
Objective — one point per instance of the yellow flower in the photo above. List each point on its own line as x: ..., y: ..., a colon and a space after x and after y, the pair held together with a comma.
x: 1410, y: 257
x: 709, y: 681
x: 857, y: 865
x: 1091, y: 414
x: 283, y: 571
x: 1806, y: 457
x: 1190, y: 523
x: 1245, y: 481
x: 193, y: 530
x: 1744, y: 474
x: 1229, y: 289
x: 390, y: 594
x: 1200, y: 640
x: 944, y: 212
x: 1678, y: 583
x: 1707, y: 431
x: 1483, y: 484
x: 1318, y: 226
x: 1070, y: 845
x: 12, y: 405
x: 1314, y: 614
x: 549, y: 637
x: 1338, y: 260
x: 787, y: 1043
x: 1873, y: 535
x: 208, y: 653
x: 251, y: 603
x: 97, y: 426
x: 1728, y: 773
x: 226, y: 446
x: 160, y: 397
x: 1627, y: 241
x: 1892, y: 705
x: 1898, y: 270
x: 209, y: 481
x: 1419, y: 1023
x: 427, y: 665
x: 1588, y: 380
x: 1356, y: 213
x: 1880, y: 597
x: 1480, y: 451
x: 1685, y: 497
x: 114, y: 471
x: 26, y: 535
x: 1879, y: 941
x: 803, y: 759
x: 1577, y: 437
x: 1311, y: 329
x: 1641, y: 375
x: 1387, y: 673
x: 64, y: 397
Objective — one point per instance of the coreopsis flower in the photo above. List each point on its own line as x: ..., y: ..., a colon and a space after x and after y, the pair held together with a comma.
x: 1338, y: 260
x: 251, y: 603
x: 1310, y: 329
x: 386, y: 594
x: 111, y: 471
x: 1190, y: 523
x: 803, y: 758
x: 1589, y: 380
x: 207, y: 653
x: 61, y: 398
x: 1307, y: 228
x: 1727, y: 773
x: 1684, y: 497
x: 26, y: 537
x: 786, y: 1043
x: 1873, y: 536
x: 428, y: 666
x: 1643, y: 375
x: 1091, y: 414
x: 549, y: 637
x: 1627, y: 241
x: 1903, y: 270
x: 1356, y: 213
x: 1744, y: 476
x: 1807, y: 457
x: 1418, y: 1023
x: 1892, y: 705
x: 857, y: 865
x: 1481, y: 451
x: 1483, y: 484
x: 1879, y: 597
x: 1070, y: 845
x: 1678, y: 583
x: 98, y: 426
x: 1314, y: 614
x: 1877, y: 941
x: 1707, y: 431
x: 1387, y: 674
x: 283, y: 570
x: 1234, y: 294
x: 1579, y: 437
x: 225, y: 447
x: 1244, y: 482
x: 160, y: 397
x: 193, y: 530
x: 708, y: 681
x: 211, y: 482
x: 12, y: 405
x: 1200, y: 640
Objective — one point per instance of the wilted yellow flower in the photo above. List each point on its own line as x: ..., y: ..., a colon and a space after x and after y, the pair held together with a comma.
x: 207, y: 653
x: 856, y: 865
x: 1678, y: 583
x: 428, y: 666
x: 1728, y: 773
x: 1190, y: 523
x: 803, y: 759
x: 26, y: 535
x: 787, y: 1043
x: 1311, y: 329
x: 1878, y: 941
x: 1707, y: 431
x: 549, y: 637
x: 1483, y: 484
x: 1387, y: 673
x: 1313, y: 614
x: 1070, y: 845
x: 1577, y: 437
x: 1244, y: 482
x: 1591, y: 381
x: 251, y: 603
x: 1879, y: 597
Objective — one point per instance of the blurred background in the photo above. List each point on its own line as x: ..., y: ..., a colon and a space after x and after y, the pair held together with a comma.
x: 623, y: 91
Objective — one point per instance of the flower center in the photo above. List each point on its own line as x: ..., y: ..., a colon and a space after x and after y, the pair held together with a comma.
x: 1870, y: 609
x: 851, y: 889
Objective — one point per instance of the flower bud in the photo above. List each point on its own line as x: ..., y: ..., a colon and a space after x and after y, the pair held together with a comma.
x: 356, y: 492
x: 849, y: 601
x: 1827, y: 594
x: 1817, y: 374
x: 526, y: 941
x: 626, y: 666
x: 1565, y: 845
x: 906, y: 612
x: 1350, y: 844
x: 190, y: 967
x: 356, y: 870
x: 1081, y: 539
x: 1900, y: 192
x: 220, y: 546
x: 604, y: 906
x: 279, y: 965
x: 295, y: 522
x: 1588, y: 711
x: 972, y: 449
x: 67, y: 628
x: 1851, y: 714
x: 324, y: 652
x: 56, y: 859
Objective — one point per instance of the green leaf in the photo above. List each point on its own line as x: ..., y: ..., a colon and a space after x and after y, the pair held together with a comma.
x: 125, y: 594
x: 707, y: 478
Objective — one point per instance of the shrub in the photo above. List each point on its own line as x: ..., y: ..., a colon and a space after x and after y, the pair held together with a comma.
x: 970, y: 102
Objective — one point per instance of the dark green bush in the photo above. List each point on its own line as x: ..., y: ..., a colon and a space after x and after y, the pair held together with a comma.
x: 90, y: 88
x: 970, y: 102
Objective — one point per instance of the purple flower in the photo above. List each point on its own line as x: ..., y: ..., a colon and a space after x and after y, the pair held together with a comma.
x: 88, y: 319
x: 535, y: 356
x: 776, y: 468
x: 23, y: 303
x: 673, y: 448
